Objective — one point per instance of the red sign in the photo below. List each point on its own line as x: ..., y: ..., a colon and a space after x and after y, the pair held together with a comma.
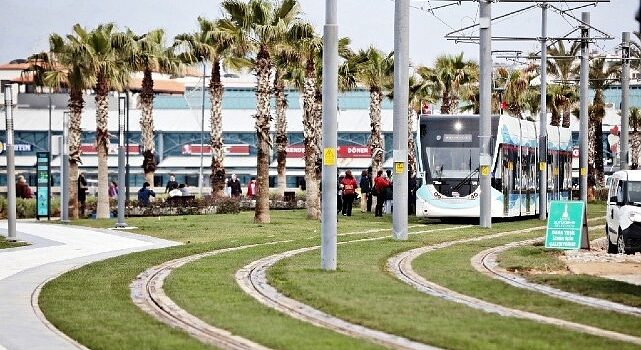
x: 353, y: 152
x: 298, y: 151
x: 230, y: 150
x: 90, y: 148
x: 575, y: 152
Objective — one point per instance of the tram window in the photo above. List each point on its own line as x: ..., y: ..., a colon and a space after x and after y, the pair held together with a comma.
x: 516, y: 163
x: 525, y: 168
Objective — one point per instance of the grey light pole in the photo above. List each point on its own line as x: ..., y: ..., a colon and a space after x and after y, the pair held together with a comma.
x: 543, y: 118
x: 485, y: 122
x: 330, y: 105
x: 121, y: 162
x: 64, y: 170
x: 11, y: 167
x: 625, y: 102
x: 401, y: 96
x: 202, y: 132
x: 583, y: 108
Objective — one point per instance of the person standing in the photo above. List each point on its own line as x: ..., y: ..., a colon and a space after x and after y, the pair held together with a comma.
x: 366, y: 186
x: 171, y: 183
x: 380, y: 185
x: 144, y: 193
x: 113, y: 190
x: 234, y: 186
x: 389, y: 193
x: 349, y: 192
x: 82, y: 193
x: 370, y: 196
x: 251, y: 189
x: 411, y: 199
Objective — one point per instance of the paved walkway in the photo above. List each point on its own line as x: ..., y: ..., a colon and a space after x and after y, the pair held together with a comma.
x: 54, y: 249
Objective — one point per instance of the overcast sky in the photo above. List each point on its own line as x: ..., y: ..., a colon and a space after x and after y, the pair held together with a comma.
x: 26, y: 25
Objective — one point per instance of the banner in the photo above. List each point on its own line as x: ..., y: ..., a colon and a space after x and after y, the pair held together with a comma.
x: 298, y: 151
x: 112, y: 148
x: 230, y: 150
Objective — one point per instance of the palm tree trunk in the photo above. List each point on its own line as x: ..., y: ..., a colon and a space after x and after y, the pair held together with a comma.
x: 445, y: 106
x: 281, y: 132
x: 376, y: 137
x: 566, y: 117
x: 555, y: 119
x: 263, y: 69
x: 411, y: 144
x: 636, y: 148
x: 147, y: 127
x: 102, y: 140
x: 217, y: 178
x: 76, y: 103
x: 312, y: 141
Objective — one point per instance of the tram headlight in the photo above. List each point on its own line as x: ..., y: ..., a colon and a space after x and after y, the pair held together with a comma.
x: 458, y: 126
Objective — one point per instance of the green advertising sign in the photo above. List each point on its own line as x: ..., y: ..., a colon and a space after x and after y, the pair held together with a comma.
x: 566, y: 225
x: 43, y: 174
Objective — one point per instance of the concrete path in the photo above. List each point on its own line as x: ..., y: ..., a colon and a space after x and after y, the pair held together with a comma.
x: 54, y: 250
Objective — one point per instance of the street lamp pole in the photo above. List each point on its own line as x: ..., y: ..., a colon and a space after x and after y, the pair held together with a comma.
x: 583, y: 108
x: 625, y: 102
x: 11, y: 167
x: 543, y: 119
x: 485, y: 122
x: 121, y: 161
x: 64, y: 170
x: 202, y: 132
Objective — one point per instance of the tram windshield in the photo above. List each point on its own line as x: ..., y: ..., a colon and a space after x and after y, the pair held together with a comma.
x: 452, y: 163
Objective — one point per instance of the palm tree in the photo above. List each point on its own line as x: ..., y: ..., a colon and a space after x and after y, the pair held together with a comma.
x: 517, y: 83
x: 562, y: 65
x: 451, y: 72
x: 148, y: 53
x: 213, y: 45
x: 261, y: 27
x: 374, y: 70
x: 105, y: 49
x: 635, y: 123
x: 602, y: 75
x: 421, y: 90
x: 66, y: 65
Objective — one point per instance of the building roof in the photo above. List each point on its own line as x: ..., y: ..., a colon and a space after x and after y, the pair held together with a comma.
x: 14, y: 66
x: 160, y: 85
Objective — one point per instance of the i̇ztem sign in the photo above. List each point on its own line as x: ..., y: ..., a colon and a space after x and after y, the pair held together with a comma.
x: 565, y: 225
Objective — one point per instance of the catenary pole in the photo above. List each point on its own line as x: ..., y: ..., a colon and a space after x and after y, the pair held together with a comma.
x: 625, y: 102
x: 11, y: 166
x: 543, y: 118
x: 121, y: 161
x: 485, y: 86
x: 202, y: 132
x: 401, y: 96
x: 64, y: 170
x: 583, y: 107
x: 330, y: 105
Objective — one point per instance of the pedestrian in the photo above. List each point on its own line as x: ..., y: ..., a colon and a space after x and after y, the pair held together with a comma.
x: 251, y: 189
x: 370, y: 177
x: 389, y: 195
x: 144, y: 193
x: 22, y: 188
x: 349, y: 192
x: 170, y: 184
x: 366, y: 187
x: 183, y: 190
x: 82, y: 193
x: 411, y: 199
x: 175, y: 192
x: 339, y: 194
x: 380, y: 184
x: 113, y: 190
x: 234, y: 186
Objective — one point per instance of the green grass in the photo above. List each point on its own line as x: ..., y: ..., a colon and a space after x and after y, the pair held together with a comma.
x: 6, y: 244
x: 537, y: 258
x: 92, y: 304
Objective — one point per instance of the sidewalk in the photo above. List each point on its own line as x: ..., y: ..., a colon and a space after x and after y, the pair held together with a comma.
x: 54, y: 249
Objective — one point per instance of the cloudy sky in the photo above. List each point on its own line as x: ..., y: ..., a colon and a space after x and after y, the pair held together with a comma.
x: 26, y: 25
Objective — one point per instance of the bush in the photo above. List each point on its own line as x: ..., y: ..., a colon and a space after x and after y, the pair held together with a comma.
x: 227, y: 206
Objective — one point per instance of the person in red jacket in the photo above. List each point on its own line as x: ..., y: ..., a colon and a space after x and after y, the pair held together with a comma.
x: 349, y: 186
x: 251, y: 188
x: 380, y: 184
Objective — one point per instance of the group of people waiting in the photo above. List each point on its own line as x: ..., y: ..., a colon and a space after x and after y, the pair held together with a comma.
x: 380, y: 187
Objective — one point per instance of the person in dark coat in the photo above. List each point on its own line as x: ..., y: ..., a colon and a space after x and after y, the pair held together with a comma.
x: 234, y: 185
x: 82, y: 193
x: 171, y: 184
x: 370, y: 175
x: 411, y: 198
x: 366, y: 187
x: 22, y: 188
x: 144, y: 193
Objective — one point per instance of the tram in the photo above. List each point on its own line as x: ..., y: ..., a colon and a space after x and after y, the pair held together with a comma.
x: 448, y: 166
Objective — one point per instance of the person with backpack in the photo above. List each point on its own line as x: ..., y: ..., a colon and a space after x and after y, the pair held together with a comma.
x: 380, y: 185
x: 349, y: 185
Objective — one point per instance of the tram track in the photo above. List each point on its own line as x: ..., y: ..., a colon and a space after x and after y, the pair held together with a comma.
x: 486, y: 263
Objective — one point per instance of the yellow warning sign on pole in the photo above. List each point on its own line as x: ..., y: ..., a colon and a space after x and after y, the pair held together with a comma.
x: 399, y: 167
x: 485, y: 170
x: 584, y: 171
x: 329, y: 156
x: 542, y: 166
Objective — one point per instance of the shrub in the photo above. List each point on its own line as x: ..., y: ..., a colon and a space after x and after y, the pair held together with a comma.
x: 227, y: 206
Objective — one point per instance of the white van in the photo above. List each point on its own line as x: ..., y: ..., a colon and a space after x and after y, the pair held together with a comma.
x: 623, y: 216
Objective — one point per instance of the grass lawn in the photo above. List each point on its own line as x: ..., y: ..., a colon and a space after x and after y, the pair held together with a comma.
x: 92, y: 304
x: 539, y: 260
x: 5, y: 244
